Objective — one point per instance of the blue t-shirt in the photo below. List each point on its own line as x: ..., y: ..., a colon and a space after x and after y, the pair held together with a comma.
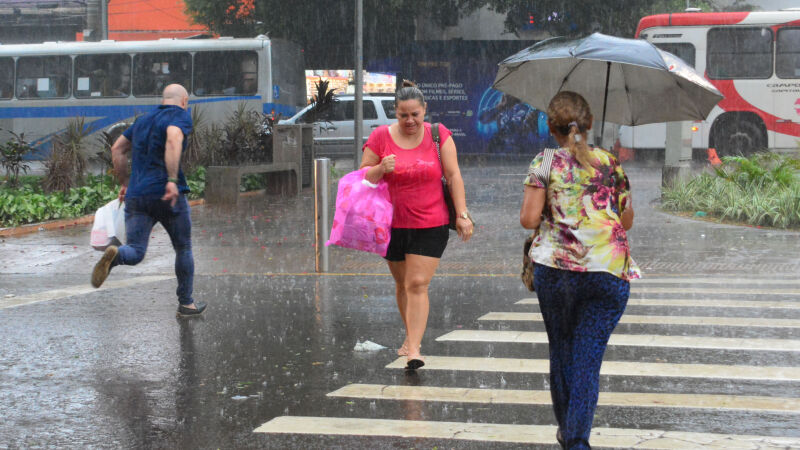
x: 148, y: 136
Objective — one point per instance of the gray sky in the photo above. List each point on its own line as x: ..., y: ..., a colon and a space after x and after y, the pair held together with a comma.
x: 773, y: 5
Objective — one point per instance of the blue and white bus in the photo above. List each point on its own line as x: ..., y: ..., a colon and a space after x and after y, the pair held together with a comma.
x: 109, y: 83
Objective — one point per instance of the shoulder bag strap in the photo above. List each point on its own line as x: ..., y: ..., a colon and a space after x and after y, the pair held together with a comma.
x: 542, y: 173
x: 435, y: 135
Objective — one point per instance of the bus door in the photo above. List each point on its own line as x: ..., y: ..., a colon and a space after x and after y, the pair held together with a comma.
x: 786, y: 88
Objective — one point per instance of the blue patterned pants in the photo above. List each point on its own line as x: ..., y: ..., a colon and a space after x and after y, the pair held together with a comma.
x: 580, y: 310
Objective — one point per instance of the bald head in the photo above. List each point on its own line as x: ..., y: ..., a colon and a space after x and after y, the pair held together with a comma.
x: 175, y: 94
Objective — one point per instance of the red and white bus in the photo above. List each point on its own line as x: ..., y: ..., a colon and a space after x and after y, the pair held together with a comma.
x: 753, y: 58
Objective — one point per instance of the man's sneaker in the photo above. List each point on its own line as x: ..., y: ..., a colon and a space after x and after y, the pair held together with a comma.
x: 185, y: 311
x: 103, y: 267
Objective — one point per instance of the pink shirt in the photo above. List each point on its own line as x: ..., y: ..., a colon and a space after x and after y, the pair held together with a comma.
x: 415, y: 185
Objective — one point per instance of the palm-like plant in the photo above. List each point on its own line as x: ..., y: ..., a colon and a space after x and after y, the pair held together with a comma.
x: 67, y: 163
x: 12, y: 155
x: 323, y: 99
x: 194, y: 155
x: 106, y: 141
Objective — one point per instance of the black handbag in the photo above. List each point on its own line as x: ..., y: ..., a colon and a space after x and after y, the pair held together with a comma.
x: 448, y: 199
x: 543, y: 174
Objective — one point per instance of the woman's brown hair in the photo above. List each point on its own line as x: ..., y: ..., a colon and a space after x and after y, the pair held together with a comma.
x: 409, y: 91
x: 570, y: 116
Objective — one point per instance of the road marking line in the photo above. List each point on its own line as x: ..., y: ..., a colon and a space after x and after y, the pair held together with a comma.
x: 695, y: 303
x: 713, y: 290
x: 663, y: 320
x: 721, y: 281
x: 352, y: 274
x: 532, y: 397
x: 630, y: 340
x: 611, y: 368
x: 71, y: 291
x: 525, y: 434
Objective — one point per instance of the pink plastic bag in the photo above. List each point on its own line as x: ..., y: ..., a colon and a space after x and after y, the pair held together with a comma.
x: 363, y: 218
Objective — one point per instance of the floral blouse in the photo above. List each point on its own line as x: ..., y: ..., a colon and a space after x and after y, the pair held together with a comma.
x: 581, y: 230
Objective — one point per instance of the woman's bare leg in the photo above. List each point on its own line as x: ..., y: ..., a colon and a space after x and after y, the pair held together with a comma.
x: 398, y: 269
x: 418, y: 273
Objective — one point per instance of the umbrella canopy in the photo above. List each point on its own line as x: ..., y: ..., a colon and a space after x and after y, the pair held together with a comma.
x: 629, y: 81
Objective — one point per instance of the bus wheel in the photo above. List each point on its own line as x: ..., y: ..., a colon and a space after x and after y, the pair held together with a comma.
x: 739, y: 138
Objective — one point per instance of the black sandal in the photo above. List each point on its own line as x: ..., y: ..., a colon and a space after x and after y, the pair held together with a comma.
x: 414, y: 364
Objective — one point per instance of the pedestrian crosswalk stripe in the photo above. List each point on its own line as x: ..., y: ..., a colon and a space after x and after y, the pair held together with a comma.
x: 721, y: 281
x: 81, y: 289
x: 663, y: 320
x: 631, y: 340
x: 711, y: 290
x: 611, y: 368
x: 521, y: 434
x: 698, y: 303
x: 530, y: 397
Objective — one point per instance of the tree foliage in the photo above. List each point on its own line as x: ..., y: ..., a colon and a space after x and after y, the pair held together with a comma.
x: 325, y: 29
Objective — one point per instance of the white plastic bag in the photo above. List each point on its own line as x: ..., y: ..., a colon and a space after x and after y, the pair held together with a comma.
x: 109, y: 225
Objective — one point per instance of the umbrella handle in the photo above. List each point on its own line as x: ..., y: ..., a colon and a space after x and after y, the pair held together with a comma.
x: 605, y: 102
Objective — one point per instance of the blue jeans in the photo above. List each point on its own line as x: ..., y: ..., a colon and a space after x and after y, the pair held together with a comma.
x: 141, y: 214
x: 580, y: 310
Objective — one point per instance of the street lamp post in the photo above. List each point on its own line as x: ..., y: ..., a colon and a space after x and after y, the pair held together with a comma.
x: 358, y: 132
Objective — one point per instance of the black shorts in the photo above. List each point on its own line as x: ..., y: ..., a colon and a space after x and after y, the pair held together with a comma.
x: 417, y: 241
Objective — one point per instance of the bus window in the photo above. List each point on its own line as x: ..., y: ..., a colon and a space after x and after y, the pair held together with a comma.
x: 787, y: 60
x: 684, y: 51
x: 739, y: 53
x: 228, y: 73
x: 154, y: 71
x: 6, y: 78
x: 43, y: 76
x: 102, y: 76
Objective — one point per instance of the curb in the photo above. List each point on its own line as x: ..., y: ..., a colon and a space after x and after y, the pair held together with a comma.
x: 61, y: 224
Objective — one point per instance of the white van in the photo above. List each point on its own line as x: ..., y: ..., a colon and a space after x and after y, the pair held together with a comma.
x: 334, y: 129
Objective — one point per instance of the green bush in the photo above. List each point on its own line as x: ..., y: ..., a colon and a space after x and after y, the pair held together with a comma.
x: 30, y: 204
x: 196, y: 180
x: 762, y: 190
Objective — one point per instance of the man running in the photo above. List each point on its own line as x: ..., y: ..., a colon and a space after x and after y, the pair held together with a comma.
x: 155, y: 192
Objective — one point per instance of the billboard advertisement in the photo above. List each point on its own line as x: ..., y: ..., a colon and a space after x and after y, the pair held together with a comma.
x: 456, y: 78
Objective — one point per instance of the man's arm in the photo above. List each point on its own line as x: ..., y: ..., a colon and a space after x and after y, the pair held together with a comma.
x: 119, y: 158
x: 172, y: 150
x: 172, y: 160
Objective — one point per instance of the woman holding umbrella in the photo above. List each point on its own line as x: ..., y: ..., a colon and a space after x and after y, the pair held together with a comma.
x: 581, y: 207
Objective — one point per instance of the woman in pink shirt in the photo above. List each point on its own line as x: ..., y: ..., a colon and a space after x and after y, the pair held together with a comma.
x: 404, y: 154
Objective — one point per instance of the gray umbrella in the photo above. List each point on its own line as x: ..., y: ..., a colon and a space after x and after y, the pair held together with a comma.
x: 630, y: 80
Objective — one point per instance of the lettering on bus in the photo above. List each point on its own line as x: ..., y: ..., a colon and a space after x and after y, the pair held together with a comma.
x: 782, y: 88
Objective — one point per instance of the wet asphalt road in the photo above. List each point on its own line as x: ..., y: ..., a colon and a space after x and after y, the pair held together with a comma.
x: 115, y: 368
